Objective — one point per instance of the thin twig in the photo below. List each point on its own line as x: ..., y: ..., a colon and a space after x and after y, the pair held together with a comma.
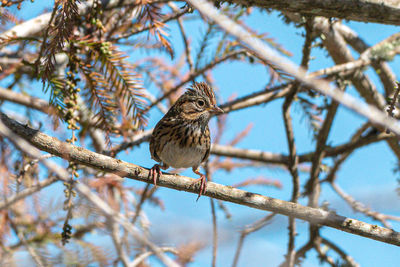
x: 139, y: 259
x: 358, y: 206
x: 193, y: 75
x: 323, y: 257
x: 339, y: 251
x: 174, y: 16
x: 293, y: 157
x: 145, y: 195
x: 215, y: 234
x: 248, y: 230
x: 37, y: 259
x: 301, y: 252
x: 382, y: 68
x: 114, y: 230
x: 46, y: 34
x: 186, y: 44
x: 27, y: 192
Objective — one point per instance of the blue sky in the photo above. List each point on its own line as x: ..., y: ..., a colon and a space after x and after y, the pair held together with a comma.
x: 367, y: 175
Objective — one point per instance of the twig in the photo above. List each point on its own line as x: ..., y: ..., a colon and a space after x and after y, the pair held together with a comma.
x: 113, y: 227
x: 312, y: 187
x: 143, y: 197
x: 292, y: 166
x: 358, y: 206
x: 193, y: 75
x: 37, y: 259
x: 184, y: 37
x: 330, y: 177
x: 215, y: 234
x: 208, y: 174
x: 248, y: 230
x: 323, y: 257
x: 136, y: 140
x: 35, y: 26
x: 139, y: 259
x: 301, y: 253
x: 387, y: 12
x: 366, y: 58
x: 45, y: 36
x: 257, y: 98
x: 293, y: 157
x: 382, y: 68
x: 176, y: 15
x: 27, y: 192
x: 339, y: 251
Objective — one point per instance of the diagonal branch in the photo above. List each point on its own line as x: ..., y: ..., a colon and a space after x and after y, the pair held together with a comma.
x: 264, y: 52
x: 107, y: 164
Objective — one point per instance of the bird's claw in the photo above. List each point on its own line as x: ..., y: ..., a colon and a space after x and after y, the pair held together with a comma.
x: 203, y: 186
x: 153, y: 173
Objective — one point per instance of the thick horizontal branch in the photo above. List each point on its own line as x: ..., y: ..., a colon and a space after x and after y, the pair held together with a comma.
x: 83, y: 156
x: 386, y: 12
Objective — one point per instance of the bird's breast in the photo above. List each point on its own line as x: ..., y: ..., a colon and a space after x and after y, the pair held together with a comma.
x: 186, y: 148
x: 177, y: 156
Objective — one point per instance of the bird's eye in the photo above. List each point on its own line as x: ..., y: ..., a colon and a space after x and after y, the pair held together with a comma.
x: 200, y: 103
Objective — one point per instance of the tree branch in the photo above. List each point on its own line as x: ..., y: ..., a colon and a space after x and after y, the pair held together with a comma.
x: 264, y: 52
x: 386, y: 12
x: 107, y: 164
x: 26, y: 100
x: 21, y: 143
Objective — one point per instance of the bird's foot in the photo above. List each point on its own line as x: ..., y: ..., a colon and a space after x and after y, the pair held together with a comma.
x: 203, y: 185
x: 153, y: 173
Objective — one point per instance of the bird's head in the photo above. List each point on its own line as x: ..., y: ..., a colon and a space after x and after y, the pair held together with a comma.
x: 198, y: 103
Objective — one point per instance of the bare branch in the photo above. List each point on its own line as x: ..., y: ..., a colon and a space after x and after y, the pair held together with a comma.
x: 358, y: 206
x: 248, y: 230
x: 368, y: 111
x: 38, y: 260
x: 80, y: 187
x: 26, y: 100
x: 83, y: 156
x: 338, y: 250
x: 27, y: 192
x: 387, y: 12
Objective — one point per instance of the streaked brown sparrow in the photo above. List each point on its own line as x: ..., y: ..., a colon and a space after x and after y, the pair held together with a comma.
x: 181, y: 139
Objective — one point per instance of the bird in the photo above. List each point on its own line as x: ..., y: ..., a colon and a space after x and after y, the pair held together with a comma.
x: 181, y: 139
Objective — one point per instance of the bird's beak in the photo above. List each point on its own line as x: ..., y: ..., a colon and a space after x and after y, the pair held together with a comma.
x: 216, y: 110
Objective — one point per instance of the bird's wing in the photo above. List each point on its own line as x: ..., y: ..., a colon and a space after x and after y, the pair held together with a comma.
x: 208, y: 144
